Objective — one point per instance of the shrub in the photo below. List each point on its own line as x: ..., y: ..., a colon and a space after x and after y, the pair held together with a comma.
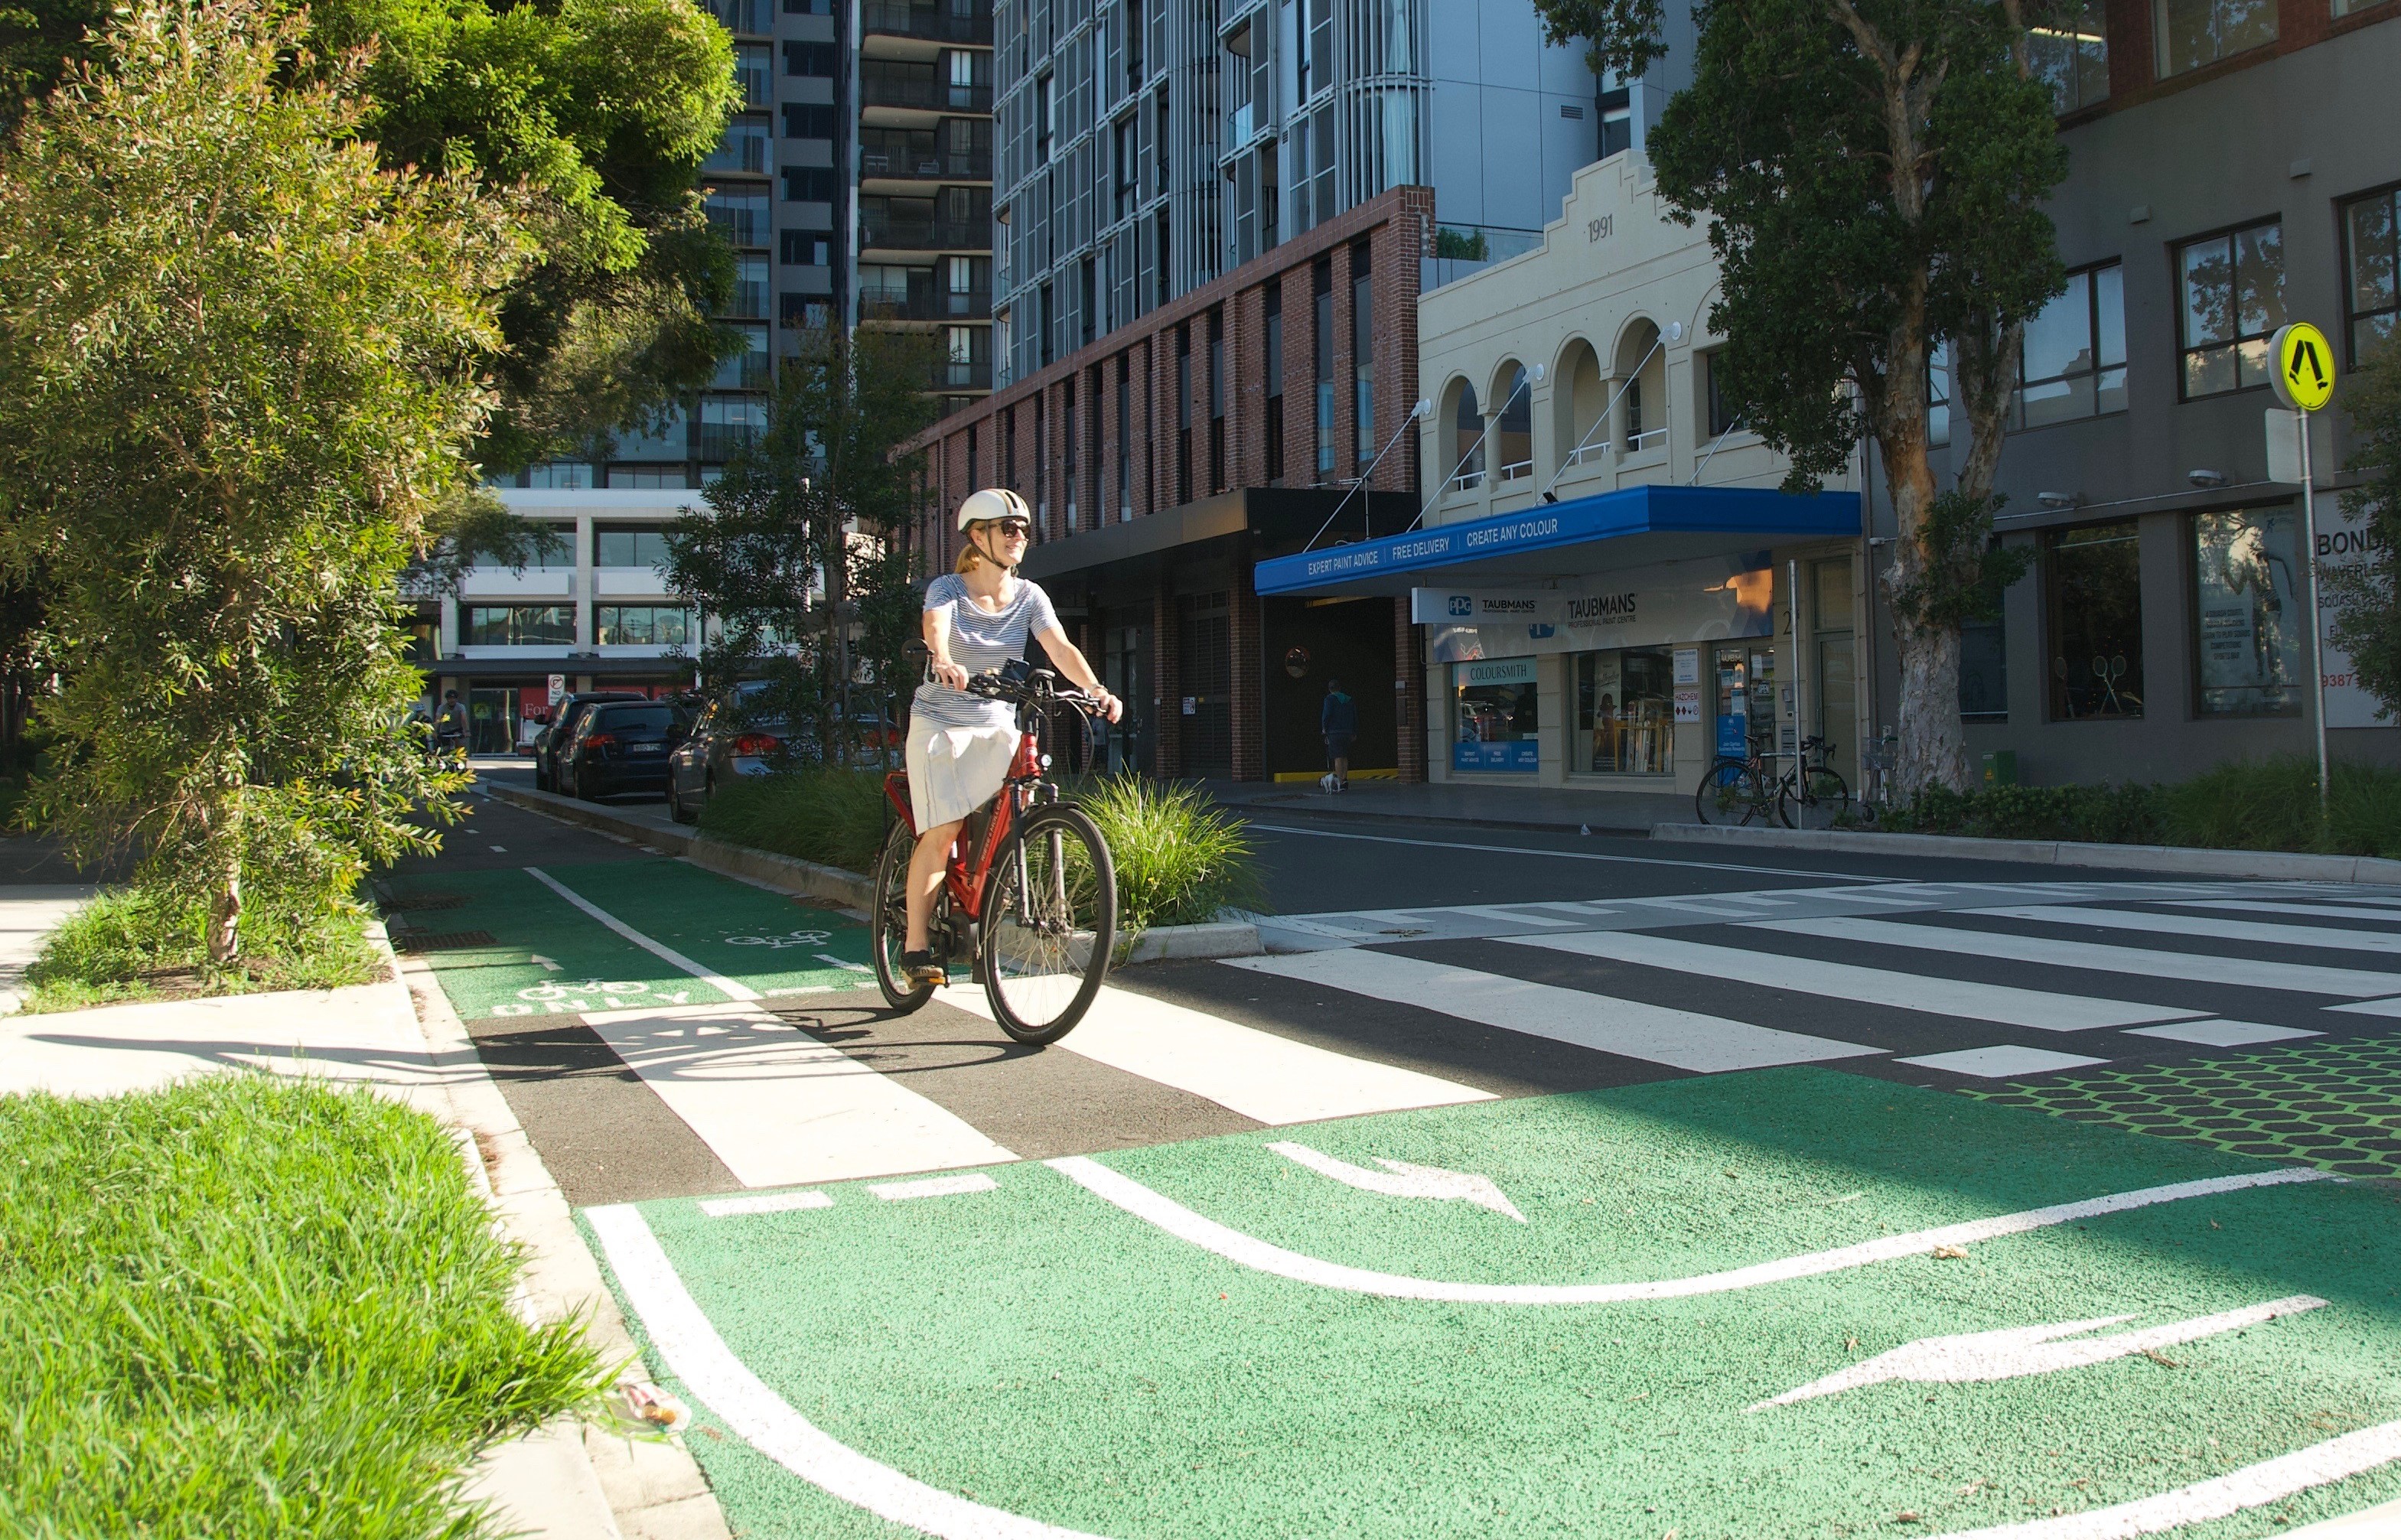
x: 127, y: 944
x: 256, y: 1306
x: 2113, y: 814
x: 830, y: 814
x: 1180, y: 860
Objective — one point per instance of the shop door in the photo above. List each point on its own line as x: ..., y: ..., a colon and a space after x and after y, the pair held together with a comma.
x: 1205, y: 681
x: 1731, y: 672
x: 1125, y: 668
x: 1836, y: 686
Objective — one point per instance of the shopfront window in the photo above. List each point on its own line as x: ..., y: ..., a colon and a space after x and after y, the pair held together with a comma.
x: 1834, y: 693
x: 1496, y: 714
x: 2247, y: 607
x: 2094, y: 583
x: 1745, y: 703
x: 1625, y: 713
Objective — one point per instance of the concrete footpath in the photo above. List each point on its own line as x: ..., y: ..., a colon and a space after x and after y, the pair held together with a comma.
x: 400, y: 1037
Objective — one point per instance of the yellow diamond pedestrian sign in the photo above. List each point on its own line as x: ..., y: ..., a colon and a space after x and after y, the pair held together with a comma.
x: 2304, y: 377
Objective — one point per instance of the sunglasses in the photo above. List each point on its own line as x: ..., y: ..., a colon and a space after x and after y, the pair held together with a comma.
x: 1015, y: 529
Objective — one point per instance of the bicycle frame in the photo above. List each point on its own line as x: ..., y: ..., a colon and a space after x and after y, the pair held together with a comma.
x: 968, y: 874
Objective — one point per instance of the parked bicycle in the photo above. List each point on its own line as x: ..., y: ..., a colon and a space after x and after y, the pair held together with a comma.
x: 1739, y: 791
x: 1029, y: 901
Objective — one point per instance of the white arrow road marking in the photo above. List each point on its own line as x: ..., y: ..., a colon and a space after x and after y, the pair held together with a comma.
x: 1400, y: 1179
x: 547, y: 963
x: 697, y: 1356
x: 2018, y: 1350
x: 1260, y: 1256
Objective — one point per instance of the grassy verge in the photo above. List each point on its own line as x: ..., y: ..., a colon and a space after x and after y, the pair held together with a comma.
x: 128, y: 945
x: 2250, y: 804
x: 248, y: 1306
x: 1180, y: 860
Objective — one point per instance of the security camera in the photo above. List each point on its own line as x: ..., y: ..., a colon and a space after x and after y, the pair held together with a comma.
x: 2206, y: 478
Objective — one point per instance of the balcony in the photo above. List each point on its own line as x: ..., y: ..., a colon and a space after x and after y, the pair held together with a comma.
x: 963, y: 375
x: 916, y: 87
x: 885, y: 232
x: 927, y: 24
x: 884, y: 158
x: 921, y: 302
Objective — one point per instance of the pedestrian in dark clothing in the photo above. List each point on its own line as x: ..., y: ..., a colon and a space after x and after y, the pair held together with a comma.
x: 1339, y: 720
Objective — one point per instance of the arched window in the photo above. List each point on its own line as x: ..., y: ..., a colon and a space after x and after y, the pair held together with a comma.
x: 1642, y: 374
x: 1513, y: 433
x: 1467, y: 439
x: 1576, y: 403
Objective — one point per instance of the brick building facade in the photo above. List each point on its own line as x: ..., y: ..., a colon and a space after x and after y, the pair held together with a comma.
x: 1165, y: 459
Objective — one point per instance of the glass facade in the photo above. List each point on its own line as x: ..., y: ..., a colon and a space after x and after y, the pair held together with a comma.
x: 2193, y: 33
x: 2073, y: 363
x: 629, y: 545
x: 518, y: 625
x: 2248, y: 601
x: 2094, y: 593
x: 1625, y: 713
x: 1496, y: 716
x: 2233, y: 288
x: 2371, y: 297
x: 643, y: 626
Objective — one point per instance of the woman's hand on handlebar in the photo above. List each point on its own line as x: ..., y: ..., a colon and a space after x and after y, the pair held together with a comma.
x: 1110, y: 706
x: 950, y: 674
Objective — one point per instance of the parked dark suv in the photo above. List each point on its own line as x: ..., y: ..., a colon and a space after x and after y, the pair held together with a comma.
x: 621, y: 747
x: 550, y: 744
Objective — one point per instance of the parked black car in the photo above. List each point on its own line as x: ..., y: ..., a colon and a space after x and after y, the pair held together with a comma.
x: 550, y: 744
x: 621, y: 747
x: 727, y: 740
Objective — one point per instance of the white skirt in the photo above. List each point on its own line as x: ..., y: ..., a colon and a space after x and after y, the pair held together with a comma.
x: 952, y: 771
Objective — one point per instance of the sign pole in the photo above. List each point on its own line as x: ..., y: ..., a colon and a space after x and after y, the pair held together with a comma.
x: 2317, y: 620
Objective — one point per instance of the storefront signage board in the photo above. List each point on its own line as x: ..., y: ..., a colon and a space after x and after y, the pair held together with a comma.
x: 2345, y: 540
x: 1684, y: 601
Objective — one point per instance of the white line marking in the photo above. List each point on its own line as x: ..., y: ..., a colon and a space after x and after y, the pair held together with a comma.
x: 1509, y: 914
x: 1260, y: 1075
x: 2369, y: 1008
x: 500, y: 850
x: 1566, y: 855
x: 697, y: 1356
x: 2268, y: 1481
x: 2221, y: 1034
x: 2334, y: 938
x: 933, y: 1187
x: 1248, y: 1251
x: 766, y: 1203
x: 2185, y: 966
x: 2312, y: 911
x: 2001, y: 1060
x: 1656, y: 1033
x: 730, y: 988
x: 780, y: 1108
x: 2017, y: 1352
x: 1982, y: 1002
x: 1400, y: 1179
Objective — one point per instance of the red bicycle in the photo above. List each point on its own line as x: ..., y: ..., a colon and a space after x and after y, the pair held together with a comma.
x: 1029, y: 902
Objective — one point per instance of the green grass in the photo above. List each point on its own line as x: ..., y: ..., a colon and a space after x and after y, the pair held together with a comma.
x: 2247, y: 805
x: 1180, y: 860
x: 834, y: 817
x: 253, y: 1307
x: 127, y: 944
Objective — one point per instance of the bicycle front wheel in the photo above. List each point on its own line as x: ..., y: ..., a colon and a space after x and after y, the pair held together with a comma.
x: 1731, y: 794
x: 1049, y: 920
x: 888, y: 924
x: 1819, y: 800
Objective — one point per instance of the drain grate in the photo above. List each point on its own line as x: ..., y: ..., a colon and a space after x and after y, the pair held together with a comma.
x: 441, y: 941
x: 422, y: 902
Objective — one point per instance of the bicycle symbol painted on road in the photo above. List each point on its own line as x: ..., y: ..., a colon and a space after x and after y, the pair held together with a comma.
x: 571, y: 998
x: 777, y: 944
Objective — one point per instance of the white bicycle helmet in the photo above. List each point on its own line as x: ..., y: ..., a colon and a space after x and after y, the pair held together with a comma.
x: 991, y: 503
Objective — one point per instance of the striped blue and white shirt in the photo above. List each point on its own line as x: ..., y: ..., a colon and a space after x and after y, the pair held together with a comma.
x: 980, y: 642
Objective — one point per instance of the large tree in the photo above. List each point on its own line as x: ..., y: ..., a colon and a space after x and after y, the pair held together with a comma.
x: 602, y: 109
x: 241, y: 363
x: 798, y: 559
x: 1873, y: 172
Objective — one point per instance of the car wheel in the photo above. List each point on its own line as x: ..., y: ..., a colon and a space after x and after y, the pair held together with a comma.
x: 675, y: 804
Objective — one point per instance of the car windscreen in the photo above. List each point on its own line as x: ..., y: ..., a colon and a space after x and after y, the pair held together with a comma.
x: 632, y: 719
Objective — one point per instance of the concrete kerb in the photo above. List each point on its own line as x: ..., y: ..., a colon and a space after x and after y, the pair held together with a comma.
x: 565, y: 1481
x: 2269, y: 864
x: 812, y: 879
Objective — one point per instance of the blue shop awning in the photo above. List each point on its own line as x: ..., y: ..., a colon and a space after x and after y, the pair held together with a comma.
x: 1633, y: 526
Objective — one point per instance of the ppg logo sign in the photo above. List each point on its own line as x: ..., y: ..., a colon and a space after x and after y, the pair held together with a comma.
x: 1462, y: 605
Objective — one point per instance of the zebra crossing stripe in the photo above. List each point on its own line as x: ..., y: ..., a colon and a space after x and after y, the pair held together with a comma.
x: 2034, y: 1008
x: 2184, y: 967
x: 2314, y: 911
x: 2334, y: 938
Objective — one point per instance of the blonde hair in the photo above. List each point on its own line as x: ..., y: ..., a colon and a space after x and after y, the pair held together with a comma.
x: 970, y: 557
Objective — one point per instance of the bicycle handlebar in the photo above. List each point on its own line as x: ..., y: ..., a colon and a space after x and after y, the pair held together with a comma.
x: 1024, y: 686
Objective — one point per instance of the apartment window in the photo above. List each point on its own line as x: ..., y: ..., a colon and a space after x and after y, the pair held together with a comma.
x: 969, y: 278
x: 1616, y: 122
x: 809, y: 184
x: 2233, y: 288
x: 1321, y: 292
x: 642, y: 626
x: 2093, y: 589
x: 558, y: 554
x: 2193, y: 33
x: 738, y: 213
x: 727, y: 422
x: 1127, y: 164
x: 2247, y: 608
x: 1983, y: 670
x: 642, y: 545
x: 1046, y: 119
x: 742, y: 147
x: 647, y: 478
x: 1125, y: 439
x: 1069, y: 467
x: 1467, y: 439
x: 741, y: 15
x: 561, y: 475
x: 1183, y: 414
x: 2071, y: 52
x: 2073, y: 363
x: 754, y: 69
x: 1273, y: 345
x: 808, y: 120
x: 749, y: 301
x: 1363, y: 353
x: 747, y: 370
x: 520, y: 625
x: 1722, y: 418
x: 2371, y: 226
x: 800, y: 249
x: 810, y: 59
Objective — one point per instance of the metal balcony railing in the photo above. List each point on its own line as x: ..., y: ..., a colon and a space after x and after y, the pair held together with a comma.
x: 920, y: 165
x: 920, y: 92
x: 1656, y: 438
x: 931, y: 23
x: 974, y: 375
x: 1516, y: 469
x: 1588, y: 454
x: 1466, y: 481
x: 877, y: 302
x: 885, y: 233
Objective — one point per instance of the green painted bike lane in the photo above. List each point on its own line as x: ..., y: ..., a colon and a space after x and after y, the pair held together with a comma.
x: 1038, y: 1350
x: 547, y: 956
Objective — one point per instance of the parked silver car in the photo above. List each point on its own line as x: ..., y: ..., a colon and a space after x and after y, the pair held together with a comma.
x: 724, y: 743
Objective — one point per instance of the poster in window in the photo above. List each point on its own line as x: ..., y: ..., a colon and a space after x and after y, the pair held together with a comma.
x: 2248, y: 607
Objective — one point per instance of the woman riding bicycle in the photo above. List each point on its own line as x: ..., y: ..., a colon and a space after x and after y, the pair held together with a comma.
x: 976, y: 618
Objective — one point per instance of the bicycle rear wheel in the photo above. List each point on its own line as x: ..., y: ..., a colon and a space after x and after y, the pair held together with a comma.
x: 1049, y: 920
x: 1731, y: 792
x: 1820, y: 800
x: 888, y: 924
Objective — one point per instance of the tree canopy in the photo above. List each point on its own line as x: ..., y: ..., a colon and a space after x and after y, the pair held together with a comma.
x: 603, y: 109
x: 1873, y: 172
